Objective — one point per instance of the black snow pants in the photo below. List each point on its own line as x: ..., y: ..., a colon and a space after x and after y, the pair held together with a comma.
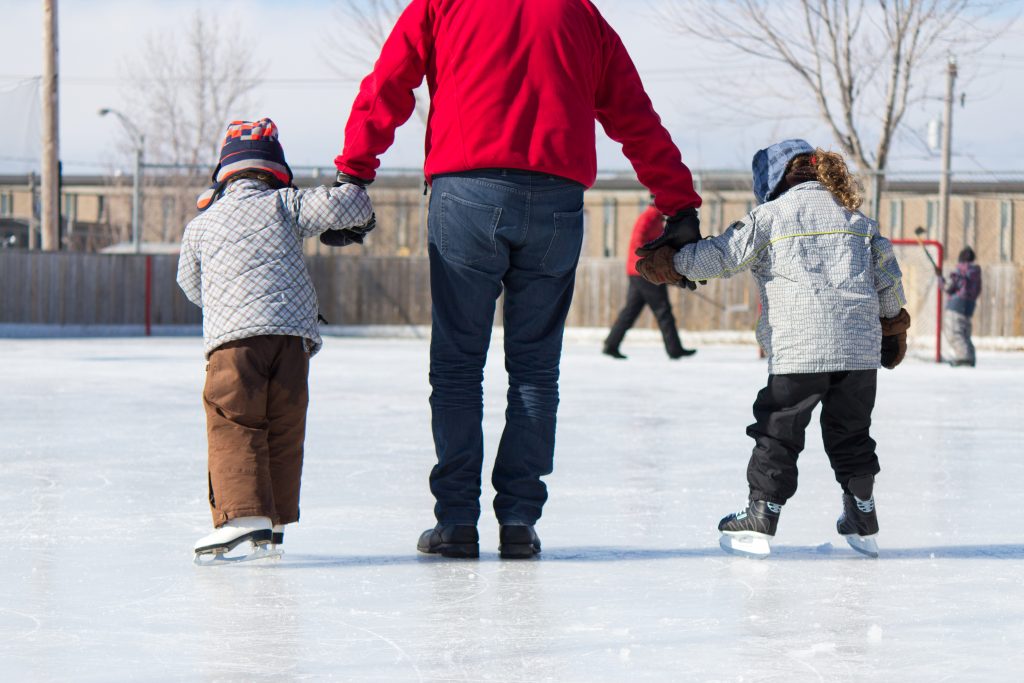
x: 782, y: 412
x: 641, y: 293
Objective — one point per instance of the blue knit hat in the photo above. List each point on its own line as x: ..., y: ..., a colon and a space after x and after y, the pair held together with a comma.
x: 769, y: 166
x: 248, y: 146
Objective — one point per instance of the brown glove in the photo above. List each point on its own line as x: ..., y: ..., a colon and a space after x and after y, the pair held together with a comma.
x: 894, y: 338
x: 657, y: 267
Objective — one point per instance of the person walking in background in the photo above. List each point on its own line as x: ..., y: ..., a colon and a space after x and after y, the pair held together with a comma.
x: 241, y: 262
x: 833, y: 311
x: 515, y: 87
x: 963, y: 288
x: 643, y: 293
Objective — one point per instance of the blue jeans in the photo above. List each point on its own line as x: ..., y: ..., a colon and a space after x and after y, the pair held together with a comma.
x: 491, y: 230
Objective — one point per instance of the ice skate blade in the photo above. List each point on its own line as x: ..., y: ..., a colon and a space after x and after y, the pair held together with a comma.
x: 746, y: 544
x: 866, y: 545
x: 258, y: 553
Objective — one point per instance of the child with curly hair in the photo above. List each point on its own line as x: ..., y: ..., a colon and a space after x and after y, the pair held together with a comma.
x: 832, y: 312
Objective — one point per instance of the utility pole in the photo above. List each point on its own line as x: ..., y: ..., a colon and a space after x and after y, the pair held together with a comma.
x: 33, y: 214
x: 947, y: 138
x: 50, y: 181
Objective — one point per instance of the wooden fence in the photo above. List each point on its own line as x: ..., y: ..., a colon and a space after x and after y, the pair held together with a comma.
x: 71, y: 288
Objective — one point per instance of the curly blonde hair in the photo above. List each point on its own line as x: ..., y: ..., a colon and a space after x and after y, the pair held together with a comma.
x: 832, y: 172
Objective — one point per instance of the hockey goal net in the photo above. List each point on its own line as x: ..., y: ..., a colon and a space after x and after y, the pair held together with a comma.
x: 924, y: 295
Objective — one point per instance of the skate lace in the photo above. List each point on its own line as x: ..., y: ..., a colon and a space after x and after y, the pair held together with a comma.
x: 865, y: 506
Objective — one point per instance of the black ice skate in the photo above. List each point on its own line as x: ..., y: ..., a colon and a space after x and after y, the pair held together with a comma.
x: 748, y: 532
x: 859, y: 523
x: 211, y: 549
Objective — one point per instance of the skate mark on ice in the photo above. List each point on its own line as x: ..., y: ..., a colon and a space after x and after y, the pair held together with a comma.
x: 402, y: 654
x: 36, y: 622
x: 814, y: 650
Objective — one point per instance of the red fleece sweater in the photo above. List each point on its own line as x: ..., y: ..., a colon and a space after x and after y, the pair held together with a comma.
x: 514, y: 84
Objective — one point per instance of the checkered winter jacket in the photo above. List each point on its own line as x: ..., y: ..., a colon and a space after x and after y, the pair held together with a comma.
x: 241, y: 259
x: 825, y: 273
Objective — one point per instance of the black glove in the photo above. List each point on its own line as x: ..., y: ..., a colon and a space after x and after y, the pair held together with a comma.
x: 347, y: 236
x: 680, y: 230
x: 346, y: 179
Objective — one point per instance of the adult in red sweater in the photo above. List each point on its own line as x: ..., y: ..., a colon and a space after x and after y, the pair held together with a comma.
x: 515, y: 87
x: 643, y: 293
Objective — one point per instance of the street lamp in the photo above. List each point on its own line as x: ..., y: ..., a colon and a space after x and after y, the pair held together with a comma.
x: 139, y: 140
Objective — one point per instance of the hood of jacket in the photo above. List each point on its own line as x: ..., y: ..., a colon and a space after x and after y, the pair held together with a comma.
x: 769, y: 166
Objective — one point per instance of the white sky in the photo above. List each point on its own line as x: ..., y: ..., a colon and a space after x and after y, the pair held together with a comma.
x: 713, y: 127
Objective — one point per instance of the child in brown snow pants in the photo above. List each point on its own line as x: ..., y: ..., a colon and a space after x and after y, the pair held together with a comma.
x: 241, y: 261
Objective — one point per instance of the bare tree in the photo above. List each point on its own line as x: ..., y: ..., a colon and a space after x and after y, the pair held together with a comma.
x: 861, y: 62
x: 182, y: 90
x: 356, y: 35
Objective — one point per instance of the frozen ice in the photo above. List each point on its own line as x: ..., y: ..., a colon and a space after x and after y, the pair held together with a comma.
x: 103, y: 489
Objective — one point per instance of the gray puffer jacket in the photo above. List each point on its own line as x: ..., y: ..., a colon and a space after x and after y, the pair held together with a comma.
x: 241, y: 259
x: 825, y: 273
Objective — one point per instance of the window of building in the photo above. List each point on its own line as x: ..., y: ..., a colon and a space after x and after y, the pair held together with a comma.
x: 970, y: 220
x: 1006, y: 230
x: 168, y: 219
x: 611, y: 210
x: 896, y: 218
x: 713, y: 211
x: 6, y: 204
x: 70, y: 207
x: 932, y: 218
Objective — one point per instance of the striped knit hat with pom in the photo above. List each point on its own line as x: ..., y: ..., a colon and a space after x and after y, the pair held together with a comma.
x: 248, y: 146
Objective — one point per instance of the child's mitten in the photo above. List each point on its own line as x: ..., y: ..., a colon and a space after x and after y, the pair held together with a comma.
x: 658, y: 268
x: 894, y: 338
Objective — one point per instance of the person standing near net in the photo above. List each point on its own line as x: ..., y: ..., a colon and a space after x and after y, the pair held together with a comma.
x: 515, y: 87
x: 643, y: 293
x: 833, y: 299
x: 963, y: 288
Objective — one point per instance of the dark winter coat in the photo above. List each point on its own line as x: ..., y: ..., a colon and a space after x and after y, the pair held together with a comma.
x: 964, y: 288
x: 515, y: 84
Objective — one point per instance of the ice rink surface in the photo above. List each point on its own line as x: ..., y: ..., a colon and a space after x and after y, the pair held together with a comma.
x: 103, y: 489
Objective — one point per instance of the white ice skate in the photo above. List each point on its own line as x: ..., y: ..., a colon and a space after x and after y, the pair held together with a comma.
x: 210, y: 549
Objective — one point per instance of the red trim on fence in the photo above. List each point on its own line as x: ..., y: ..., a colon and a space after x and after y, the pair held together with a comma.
x: 938, y: 291
x: 149, y: 294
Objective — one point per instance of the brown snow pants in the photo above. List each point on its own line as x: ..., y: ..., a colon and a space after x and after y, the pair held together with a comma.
x: 256, y: 396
